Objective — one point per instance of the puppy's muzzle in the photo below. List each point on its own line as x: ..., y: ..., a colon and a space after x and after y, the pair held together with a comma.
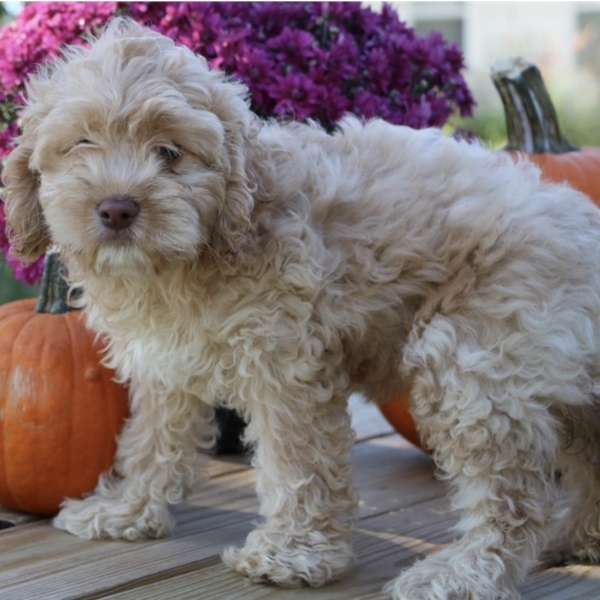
x: 118, y: 213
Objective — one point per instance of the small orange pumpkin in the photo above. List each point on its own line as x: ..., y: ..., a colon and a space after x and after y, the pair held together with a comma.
x: 60, y: 409
x: 397, y: 413
x: 533, y: 131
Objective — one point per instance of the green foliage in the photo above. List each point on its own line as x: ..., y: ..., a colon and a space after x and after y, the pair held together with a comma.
x: 11, y: 289
x: 487, y: 125
x: 5, y: 16
x: 580, y: 126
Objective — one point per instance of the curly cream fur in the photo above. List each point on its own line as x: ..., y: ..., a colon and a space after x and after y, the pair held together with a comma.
x: 275, y: 269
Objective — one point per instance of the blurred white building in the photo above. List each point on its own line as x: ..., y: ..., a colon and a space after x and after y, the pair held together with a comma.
x: 562, y: 38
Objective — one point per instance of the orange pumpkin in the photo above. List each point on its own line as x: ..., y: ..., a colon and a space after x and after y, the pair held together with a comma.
x: 397, y: 413
x: 533, y: 132
x: 579, y: 168
x: 60, y: 410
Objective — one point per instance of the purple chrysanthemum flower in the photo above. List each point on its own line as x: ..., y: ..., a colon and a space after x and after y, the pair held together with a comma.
x: 297, y: 96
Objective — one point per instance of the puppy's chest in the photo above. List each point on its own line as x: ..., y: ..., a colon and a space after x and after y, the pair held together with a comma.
x: 202, y: 348
x: 174, y: 342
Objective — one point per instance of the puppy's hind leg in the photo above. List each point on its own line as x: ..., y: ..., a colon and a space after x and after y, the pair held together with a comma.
x: 157, y: 461
x: 496, y: 446
x: 576, y: 534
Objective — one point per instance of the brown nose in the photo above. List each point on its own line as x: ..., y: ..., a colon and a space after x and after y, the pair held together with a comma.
x: 118, y: 212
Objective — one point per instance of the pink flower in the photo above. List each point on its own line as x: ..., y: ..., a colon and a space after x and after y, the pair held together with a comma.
x: 4, y: 243
x: 30, y: 274
x: 40, y: 30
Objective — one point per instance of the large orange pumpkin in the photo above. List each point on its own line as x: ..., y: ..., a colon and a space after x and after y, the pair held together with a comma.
x: 534, y: 133
x: 60, y: 410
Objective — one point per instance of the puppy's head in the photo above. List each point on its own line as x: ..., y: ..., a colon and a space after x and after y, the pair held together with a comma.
x: 132, y: 153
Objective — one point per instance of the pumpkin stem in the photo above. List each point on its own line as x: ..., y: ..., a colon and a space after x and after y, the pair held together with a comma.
x: 54, y: 291
x: 531, y: 121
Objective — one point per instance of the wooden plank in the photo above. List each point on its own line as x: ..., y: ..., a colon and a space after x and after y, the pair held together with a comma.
x: 215, y: 582
x: 380, y: 556
x: 37, y: 561
x: 11, y: 518
x: 389, y: 472
x: 574, y: 582
x: 222, y: 464
x: 403, y: 516
x: 367, y: 420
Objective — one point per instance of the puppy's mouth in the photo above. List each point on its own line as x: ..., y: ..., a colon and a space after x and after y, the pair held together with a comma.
x: 121, y: 238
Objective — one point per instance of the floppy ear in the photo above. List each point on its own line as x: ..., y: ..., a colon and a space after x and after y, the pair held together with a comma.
x: 26, y: 227
x: 234, y: 226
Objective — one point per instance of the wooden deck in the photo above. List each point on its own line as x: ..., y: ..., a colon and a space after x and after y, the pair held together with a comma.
x: 403, y: 515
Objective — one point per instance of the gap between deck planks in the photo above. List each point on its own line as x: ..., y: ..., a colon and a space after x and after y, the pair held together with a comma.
x: 403, y: 515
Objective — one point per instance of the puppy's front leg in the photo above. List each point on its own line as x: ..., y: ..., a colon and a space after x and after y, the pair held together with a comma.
x: 304, y: 484
x: 156, y: 462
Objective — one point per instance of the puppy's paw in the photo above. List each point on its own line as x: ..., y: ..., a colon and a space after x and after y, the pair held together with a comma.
x: 434, y: 579
x: 288, y: 561
x: 98, y: 517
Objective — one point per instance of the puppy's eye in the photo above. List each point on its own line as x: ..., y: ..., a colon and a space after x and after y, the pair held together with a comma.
x: 82, y: 144
x: 168, y: 154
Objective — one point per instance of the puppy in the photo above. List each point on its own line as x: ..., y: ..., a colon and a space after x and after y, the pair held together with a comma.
x: 276, y: 269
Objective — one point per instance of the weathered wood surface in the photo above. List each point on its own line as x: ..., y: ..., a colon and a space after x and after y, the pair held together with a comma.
x: 403, y: 515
